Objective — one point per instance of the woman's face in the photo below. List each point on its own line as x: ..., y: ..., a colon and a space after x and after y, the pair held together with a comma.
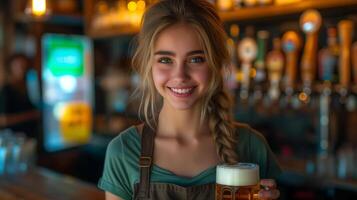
x: 180, y: 71
x: 18, y: 69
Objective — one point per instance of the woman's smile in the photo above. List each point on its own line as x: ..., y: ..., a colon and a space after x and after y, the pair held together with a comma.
x: 182, y: 91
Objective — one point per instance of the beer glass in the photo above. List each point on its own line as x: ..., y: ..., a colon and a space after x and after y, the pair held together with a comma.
x: 237, y: 182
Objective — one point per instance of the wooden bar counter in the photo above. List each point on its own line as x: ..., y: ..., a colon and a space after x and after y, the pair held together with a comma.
x: 43, y: 184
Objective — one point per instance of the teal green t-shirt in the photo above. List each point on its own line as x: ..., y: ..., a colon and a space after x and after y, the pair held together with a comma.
x: 121, y: 170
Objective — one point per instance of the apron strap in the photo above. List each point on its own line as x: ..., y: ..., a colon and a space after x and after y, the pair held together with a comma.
x: 145, y: 162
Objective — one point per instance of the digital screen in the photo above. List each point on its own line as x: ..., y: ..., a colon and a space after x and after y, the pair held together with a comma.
x: 65, y: 56
x: 67, y: 90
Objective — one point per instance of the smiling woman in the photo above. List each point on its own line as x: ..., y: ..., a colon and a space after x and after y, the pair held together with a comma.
x: 173, y: 155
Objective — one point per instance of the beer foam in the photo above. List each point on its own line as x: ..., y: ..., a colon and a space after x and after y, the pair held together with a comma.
x: 241, y: 174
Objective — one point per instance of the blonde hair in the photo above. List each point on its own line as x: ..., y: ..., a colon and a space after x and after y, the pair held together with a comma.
x: 216, y: 106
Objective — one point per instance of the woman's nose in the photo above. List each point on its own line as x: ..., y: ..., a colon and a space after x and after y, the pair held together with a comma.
x: 181, y: 71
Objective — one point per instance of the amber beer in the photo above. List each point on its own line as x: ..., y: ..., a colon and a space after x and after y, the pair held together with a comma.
x: 237, y: 182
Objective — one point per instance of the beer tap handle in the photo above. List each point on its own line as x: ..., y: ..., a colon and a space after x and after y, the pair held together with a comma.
x: 247, y: 51
x: 259, y: 65
x: 308, y: 62
x: 260, y: 62
x: 275, y: 63
x: 345, y: 28
x: 291, y: 45
x: 310, y: 22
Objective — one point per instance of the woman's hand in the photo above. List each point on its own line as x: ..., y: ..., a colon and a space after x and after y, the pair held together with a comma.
x: 269, y: 190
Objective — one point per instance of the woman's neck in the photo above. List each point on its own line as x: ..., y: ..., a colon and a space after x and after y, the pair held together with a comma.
x: 181, y: 123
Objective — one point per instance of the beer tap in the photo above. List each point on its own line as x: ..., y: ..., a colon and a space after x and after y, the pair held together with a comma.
x: 327, y: 63
x: 310, y: 22
x: 247, y: 51
x: 345, y: 28
x: 275, y: 64
x: 260, y: 76
x: 291, y: 46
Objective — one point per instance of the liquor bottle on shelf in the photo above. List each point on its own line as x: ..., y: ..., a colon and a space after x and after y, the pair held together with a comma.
x: 247, y: 52
x: 345, y: 28
x: 237, y: 4
x: 275, y: 65
x: 291, y: 44
x: 310, y: 22
x: 259, y: 65
x: 250, y: 3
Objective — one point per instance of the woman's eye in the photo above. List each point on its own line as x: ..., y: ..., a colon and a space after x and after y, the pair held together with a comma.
x: 197, y: 60
x: 165, y: 60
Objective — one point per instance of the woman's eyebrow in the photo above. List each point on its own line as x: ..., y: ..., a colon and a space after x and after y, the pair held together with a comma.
x: 170, y: 53
x: 167, y: 53
x: 195, y: 52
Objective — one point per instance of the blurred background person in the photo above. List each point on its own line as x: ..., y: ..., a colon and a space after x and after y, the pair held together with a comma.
x: 17, y: 112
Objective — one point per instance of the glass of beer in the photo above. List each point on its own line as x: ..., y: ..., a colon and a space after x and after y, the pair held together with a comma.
x: 237, y: 182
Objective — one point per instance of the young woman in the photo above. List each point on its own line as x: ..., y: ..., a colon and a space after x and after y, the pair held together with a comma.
x: 180, y: 57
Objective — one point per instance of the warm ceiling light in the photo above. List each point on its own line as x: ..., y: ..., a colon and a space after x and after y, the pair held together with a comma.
x: 38, y: 7
x: 141, y: 5
x: 132, y: 6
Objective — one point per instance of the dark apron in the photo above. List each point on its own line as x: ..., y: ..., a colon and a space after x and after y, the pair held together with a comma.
x: 144, y: 190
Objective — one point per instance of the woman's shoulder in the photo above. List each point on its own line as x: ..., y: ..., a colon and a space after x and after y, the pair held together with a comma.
x: 127, y: 138
x: 253, y: 147
x: 244, y: 132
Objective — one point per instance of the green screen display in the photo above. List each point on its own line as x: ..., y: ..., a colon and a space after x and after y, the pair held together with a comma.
x: 65, y: 56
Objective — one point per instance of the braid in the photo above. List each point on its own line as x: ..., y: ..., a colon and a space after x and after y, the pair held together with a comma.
x: 222, y: 127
